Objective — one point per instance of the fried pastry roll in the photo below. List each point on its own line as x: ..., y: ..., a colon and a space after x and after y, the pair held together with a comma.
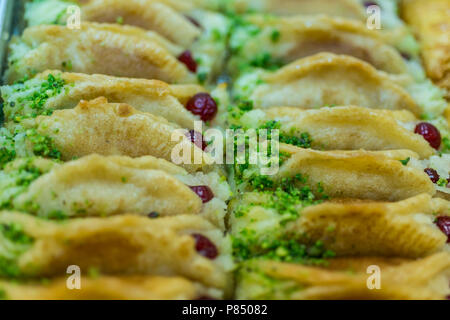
x: 83, y: 187
x: 96, y: 48
x: 125, y: 245
x: 325, y: 79
x: 286, y: 39
x: 56, y: 90
x: 346, y: 128
x: 347, y: 279
x: 118, y: 129
x: 200, y: 35
x: 111, y: 288
x: 350, y: 9
x: 348, y: 228
x: 375, y: 175
x: 431, y: 22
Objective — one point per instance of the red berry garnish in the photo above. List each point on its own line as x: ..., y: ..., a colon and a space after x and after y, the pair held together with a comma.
x: 434, y: 176
x: 188, y: 60
x: 429, y: 133
x: 444, y: 224
x: 203, y: 105
x: 205, y: 247
x: 197, y: 139
x: 204, y: 192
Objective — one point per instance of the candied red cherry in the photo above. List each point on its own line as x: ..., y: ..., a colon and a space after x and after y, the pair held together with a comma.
x: 203, y: 105
x: 444, y: 224
x: 205, y: 247
x: 187, y: 58
x: 429, y: 133
x: 434, y: 176
x: 204, y: 192
x: 197, y: 139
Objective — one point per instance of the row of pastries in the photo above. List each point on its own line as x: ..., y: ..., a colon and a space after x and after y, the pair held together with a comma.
x: 88, y: 176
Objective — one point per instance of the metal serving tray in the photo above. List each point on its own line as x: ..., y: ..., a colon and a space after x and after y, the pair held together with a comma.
x: 11, y: 23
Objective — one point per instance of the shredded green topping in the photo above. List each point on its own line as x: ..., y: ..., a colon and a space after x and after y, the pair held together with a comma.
x: 7, y: 149
x: 15, y: 181
x: 28, y: 98
x: 406, y: 161
x: 14, y: 243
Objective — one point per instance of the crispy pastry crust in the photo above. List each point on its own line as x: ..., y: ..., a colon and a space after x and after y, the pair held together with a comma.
x: 341, y: 8
x: 328, y: 79
x: 431, y: 22
x: 127, y: 245
x: 98, y: 48
x: 114, y: 129
x: 348, y: 279
x: 147, y: 14
x: 84, y: 187
x: 151, y: 96
x: 352, y: 128
x: 140, y: 186
x: 353, y: 227
x: 376, y: 175
x: 302, y: 36
x: 111, y: 288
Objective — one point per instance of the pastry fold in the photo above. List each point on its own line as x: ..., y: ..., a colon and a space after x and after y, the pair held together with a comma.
x: 375, y: 175
x: 203, y: 33
x: 301, y: 36
x: 425, y: 279
x: 431, y: 22
x: 147, y: 14
x: 348, y: 128
x: 84, y: 187
x: 326, y: 79
x: 125, y: 245
x: 118, y: 129
x: 111, y: 288
x: 350, y: 9
x: 403, y: 229
x: 150, y: 96
x: 95, y: 48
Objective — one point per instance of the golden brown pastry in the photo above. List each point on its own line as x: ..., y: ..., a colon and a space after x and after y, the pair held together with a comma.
x: 347, y: 279
x: 110, y: 288
x: 326, y: 79
x: 347, y: 128
x: 301, y: 36
x: 127, y: 245
x: 376, y: 175
x: 95, y: 48
x: 147, y: 14
x: 84, y: 187
x: 348, y: 228
x: 431, y: 22
x: 351, y: 9
x: 117, y: 129
x: 152, y: 96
